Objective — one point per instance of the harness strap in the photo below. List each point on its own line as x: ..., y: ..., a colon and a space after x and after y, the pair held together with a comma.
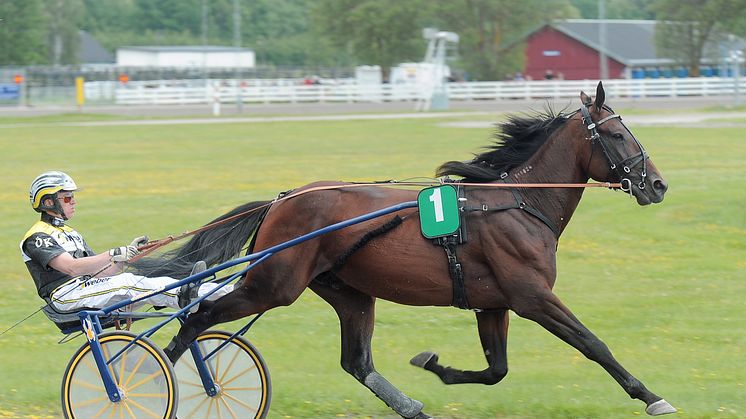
x: 456, y: 272
x: 521, y: 204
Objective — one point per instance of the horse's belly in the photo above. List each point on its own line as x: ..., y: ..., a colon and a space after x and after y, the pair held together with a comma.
x: 414, y: 274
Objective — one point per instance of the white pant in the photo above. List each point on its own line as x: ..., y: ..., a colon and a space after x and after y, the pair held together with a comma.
x: 102, y: 292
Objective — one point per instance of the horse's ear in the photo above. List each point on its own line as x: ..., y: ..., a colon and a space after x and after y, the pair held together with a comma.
x: 600, y: 96
x: 585, y: 99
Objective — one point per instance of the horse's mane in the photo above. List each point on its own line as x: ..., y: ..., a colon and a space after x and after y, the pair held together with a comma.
x: 516, y: 140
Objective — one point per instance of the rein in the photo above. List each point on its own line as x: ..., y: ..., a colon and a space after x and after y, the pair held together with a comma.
x: 156, y: 244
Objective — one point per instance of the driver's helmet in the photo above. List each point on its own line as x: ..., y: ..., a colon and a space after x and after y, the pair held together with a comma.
x: 49, y: 183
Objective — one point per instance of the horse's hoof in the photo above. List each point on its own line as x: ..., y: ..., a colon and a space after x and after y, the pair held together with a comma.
x: 423, y: 358
x: 422, y: 415
x: 661, y: 407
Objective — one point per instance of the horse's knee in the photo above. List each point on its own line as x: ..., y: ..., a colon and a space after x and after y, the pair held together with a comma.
x: 356, y: 368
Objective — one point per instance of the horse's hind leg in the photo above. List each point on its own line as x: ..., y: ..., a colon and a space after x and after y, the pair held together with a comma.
x: 233, y: 306
x: 559, y: 320
x: 493, y: 333
x: 356, y: 317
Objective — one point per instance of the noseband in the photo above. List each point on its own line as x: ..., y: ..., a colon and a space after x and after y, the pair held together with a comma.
x: 623, y: 167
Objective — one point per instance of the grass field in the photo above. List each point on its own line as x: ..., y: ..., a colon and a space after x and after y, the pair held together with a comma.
x: 663, y: 286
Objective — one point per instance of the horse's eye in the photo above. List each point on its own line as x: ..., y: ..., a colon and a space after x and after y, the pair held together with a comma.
x: 618, y: 136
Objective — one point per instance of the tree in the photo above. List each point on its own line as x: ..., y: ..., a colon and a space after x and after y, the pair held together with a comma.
x: 615, y: 9
x: 22, y: 32
x: 376, y: 32
x: 110, y: 16
x: 63, y: 40
x: 169, y: 15
x: 685, y: 27
x: 490, y: 31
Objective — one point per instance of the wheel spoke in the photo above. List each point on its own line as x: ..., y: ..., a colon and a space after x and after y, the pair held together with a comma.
x: 144, y: 409
x: 110, y: 367
x: 193, y: 396
x: 197, y: 407
x: 127, y: 406
x: 227, y: 406
x: 123, y: 361
x: 209, y: 408
x: 230, y: 365
x: 144, y: 380
x: 217, y: 366
x: 86, y: 384
x: 92, y: 366
x: 238, y: 375
x: 189, y: 383
x: 91, y: 401
x: 134, y: 370
x: 242, y: 388
x: 103, y: 409
x: 148, y: 395
x: 241, y: 402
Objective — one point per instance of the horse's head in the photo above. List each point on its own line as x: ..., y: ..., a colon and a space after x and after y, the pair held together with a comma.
x: 616, y: 155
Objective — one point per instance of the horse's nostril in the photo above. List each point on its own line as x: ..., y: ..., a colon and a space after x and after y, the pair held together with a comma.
x: 660, y: 186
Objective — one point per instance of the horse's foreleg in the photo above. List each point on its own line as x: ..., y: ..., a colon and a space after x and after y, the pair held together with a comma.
x: 559, y: 320
x: 356, y: 318
x: 493, y: 333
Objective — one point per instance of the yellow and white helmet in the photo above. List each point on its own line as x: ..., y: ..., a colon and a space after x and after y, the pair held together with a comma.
x: 49, y: 183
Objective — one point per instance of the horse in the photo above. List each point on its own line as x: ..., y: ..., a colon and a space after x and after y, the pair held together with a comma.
x: 507, y: 263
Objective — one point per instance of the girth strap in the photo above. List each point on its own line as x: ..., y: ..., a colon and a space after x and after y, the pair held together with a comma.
x: 449, y: 243
x: 455, y: 271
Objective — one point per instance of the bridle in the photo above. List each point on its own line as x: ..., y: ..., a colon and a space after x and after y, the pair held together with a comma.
x: 623, y: 167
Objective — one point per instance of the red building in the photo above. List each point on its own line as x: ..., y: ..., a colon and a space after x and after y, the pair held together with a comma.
x: 570, y: 49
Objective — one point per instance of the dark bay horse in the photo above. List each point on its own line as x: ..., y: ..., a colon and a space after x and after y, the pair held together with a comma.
x: 508, y: 259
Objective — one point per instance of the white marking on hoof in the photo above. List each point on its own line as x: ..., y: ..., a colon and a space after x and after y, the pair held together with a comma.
x: 661, y: 407
x: 422, y: 358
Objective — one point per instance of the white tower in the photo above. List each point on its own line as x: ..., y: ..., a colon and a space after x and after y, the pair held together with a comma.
x: 435, y: 94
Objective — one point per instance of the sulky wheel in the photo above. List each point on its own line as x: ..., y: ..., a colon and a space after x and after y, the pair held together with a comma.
x: 143, y: 374
x: 239, y: 371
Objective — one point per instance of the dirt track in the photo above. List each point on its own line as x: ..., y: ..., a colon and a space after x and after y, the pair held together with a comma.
x: 344, y: 108
x: 687, y: 111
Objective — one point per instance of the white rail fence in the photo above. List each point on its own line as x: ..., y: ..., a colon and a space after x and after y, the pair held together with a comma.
x: 226, y: 91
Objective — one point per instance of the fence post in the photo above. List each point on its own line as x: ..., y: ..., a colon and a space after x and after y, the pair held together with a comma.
x: 216, y: 99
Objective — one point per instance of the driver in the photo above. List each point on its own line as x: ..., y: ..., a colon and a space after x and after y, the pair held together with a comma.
x: 70, y: 276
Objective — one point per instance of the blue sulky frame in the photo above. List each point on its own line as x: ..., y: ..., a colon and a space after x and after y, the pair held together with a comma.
x: 91, y: 323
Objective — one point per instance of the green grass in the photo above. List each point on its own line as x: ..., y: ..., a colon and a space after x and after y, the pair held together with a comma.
x: 663, y: 285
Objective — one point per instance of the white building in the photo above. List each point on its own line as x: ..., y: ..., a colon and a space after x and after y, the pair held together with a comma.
x: 186, y: 57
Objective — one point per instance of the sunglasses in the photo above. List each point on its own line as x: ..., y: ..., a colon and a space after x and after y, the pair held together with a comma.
x: 66, y: 198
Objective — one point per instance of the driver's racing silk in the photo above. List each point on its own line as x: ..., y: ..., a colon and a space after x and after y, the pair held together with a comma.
x: 44, y: 242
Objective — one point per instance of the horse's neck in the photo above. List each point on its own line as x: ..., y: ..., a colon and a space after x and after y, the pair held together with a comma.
x: 555, y: 162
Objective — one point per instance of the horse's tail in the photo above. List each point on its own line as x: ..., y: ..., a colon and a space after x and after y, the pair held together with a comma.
x: 214, y: 245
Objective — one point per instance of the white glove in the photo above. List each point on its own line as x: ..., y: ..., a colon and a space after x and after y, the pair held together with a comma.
x: 139, y: 241
x: 123, y: 253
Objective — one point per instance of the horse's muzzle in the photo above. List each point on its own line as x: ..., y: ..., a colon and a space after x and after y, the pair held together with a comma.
x: 652, y: 192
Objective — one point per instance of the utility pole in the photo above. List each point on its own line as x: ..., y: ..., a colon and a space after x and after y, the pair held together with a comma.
x: 603, y: 65
x: 735, y: 59
x: 204, y: 40
x: 237, y: 44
